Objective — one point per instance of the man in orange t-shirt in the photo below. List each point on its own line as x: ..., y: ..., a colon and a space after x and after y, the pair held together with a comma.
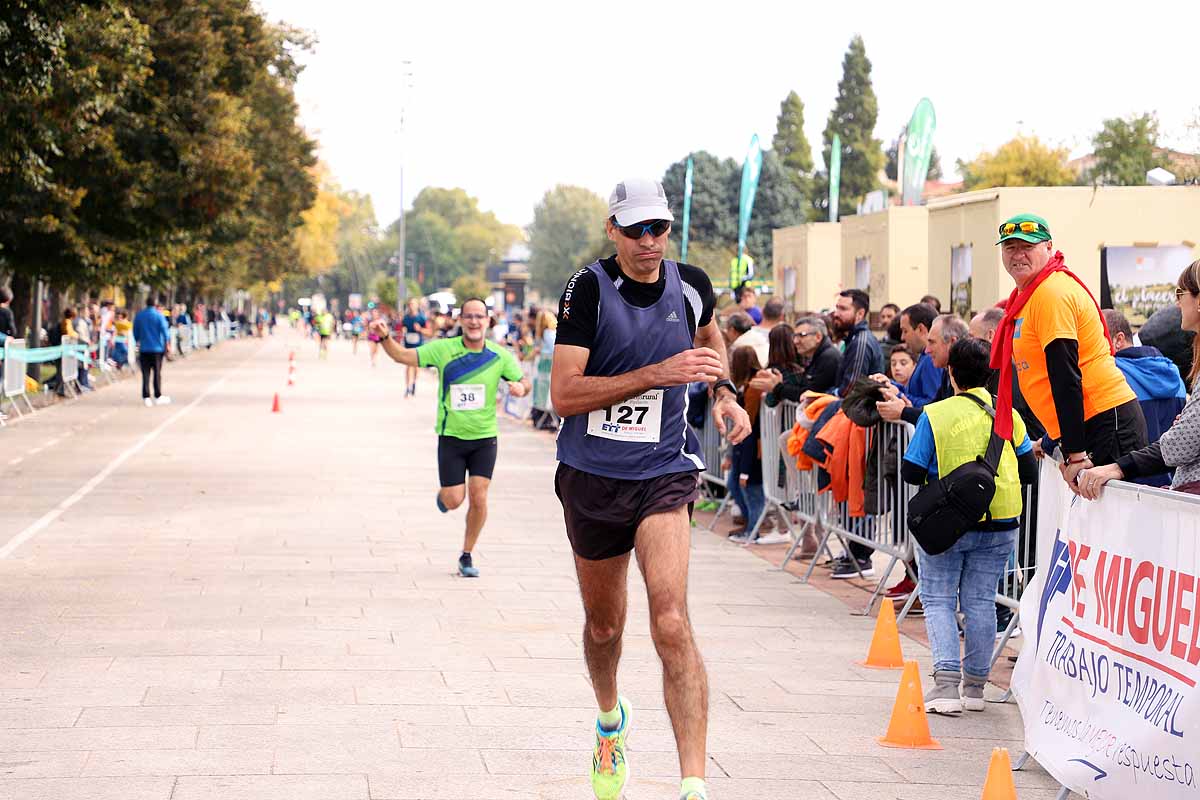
x: 1063, y: 357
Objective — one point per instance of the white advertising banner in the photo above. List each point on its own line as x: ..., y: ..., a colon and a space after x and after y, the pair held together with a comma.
x: 1107, y: 676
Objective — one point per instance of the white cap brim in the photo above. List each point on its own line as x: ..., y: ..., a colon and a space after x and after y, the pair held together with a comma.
x: 630, y: 216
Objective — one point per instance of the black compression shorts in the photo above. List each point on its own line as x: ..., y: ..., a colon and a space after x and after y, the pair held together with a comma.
x: 457, y: 457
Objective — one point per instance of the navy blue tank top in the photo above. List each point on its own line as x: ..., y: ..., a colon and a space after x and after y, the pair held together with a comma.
x: 645, y: 436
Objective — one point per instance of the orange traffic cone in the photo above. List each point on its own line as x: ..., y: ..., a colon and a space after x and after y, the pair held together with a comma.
x: 291, y: 368
x: 290, y: 381
x: 275, y: 406
x: 291, y: 355
x: 909, y: 727
x: 885, y: 644
x: 999, y: 784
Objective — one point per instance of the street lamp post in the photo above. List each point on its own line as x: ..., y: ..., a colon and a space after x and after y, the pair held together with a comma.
x: 401, y: 284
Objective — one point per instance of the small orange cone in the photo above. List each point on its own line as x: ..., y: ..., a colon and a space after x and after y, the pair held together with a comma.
x: 885, y: 644
x: 291, y: 368
x: 999, y: 784
x: 291, y: 355
x: 909, y: 727
x: 275, y: 405
x: 290, y: 381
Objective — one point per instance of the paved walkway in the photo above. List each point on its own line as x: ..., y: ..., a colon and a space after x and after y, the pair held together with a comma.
x: 208, y: 600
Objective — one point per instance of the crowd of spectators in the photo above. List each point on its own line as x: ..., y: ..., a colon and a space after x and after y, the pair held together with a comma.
x: 1087, y: 389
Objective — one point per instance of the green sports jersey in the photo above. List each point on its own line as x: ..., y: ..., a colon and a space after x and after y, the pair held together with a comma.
x: 467, y: 385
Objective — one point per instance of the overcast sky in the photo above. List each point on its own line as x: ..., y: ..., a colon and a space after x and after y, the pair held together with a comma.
x: 510, y: 98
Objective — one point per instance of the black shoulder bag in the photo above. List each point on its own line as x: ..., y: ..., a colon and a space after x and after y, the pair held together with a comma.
x: 942, y: 511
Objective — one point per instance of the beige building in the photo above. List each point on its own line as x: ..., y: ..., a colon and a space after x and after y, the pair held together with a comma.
x: 886, y: 253
x: 807, y: 265
x: 1144, y: 236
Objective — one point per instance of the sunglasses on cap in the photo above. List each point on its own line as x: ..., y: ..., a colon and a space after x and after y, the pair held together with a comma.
x: 1028, y: 226
x: 655, y: 228
x: 1180, y: 292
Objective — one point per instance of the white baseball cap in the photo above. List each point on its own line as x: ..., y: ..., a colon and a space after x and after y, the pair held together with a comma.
x: 638, y: 199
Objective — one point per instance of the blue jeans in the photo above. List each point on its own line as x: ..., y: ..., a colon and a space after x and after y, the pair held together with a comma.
x: 965, y: 576
x: 749, y: 498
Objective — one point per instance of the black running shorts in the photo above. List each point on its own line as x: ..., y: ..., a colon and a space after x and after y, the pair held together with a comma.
x: 603, y: 514
x: 457, y: 457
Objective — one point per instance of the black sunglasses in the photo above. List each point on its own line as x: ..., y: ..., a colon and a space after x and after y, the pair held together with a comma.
x: 655, y: 228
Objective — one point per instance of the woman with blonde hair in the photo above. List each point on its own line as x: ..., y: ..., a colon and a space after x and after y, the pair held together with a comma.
x: 1179, y: 447
x: 545, y: 332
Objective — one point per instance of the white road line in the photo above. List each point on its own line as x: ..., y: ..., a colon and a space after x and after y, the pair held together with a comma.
x: 83, y: 491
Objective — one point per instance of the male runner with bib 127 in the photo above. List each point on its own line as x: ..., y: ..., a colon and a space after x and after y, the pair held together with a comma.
x: 634, y: 330
x: 470, y: 369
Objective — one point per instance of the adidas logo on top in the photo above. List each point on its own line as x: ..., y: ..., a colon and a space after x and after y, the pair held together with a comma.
x: 672, y: 317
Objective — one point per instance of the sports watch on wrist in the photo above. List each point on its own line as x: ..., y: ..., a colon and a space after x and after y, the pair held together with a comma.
x: 724, y: 383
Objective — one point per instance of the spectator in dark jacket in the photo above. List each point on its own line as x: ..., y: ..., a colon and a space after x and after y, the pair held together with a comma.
x: 1155, y: 380
x: 783, y: 366
x: 862, y: 356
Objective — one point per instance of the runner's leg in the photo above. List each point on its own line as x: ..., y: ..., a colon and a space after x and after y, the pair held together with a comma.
x: 663, y: 543
x: 477, y: 488
x: 602, y: 586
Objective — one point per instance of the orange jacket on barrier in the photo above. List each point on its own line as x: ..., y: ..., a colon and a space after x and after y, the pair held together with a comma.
x: 847, y: 462
x: 800, y: 432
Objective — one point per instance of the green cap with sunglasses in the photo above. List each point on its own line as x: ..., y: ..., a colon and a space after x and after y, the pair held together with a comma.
x: 1026, y: 227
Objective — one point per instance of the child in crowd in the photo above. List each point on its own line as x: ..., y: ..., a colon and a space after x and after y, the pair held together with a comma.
x: 123, y: 326
x: 900, y: 367
x: 745, y: 480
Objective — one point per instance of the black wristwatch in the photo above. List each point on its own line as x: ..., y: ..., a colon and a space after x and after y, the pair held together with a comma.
x: 724, y: 383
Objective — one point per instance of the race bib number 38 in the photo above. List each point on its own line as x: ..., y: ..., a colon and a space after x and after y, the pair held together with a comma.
x: 466, y: 396
x: 637, y: 419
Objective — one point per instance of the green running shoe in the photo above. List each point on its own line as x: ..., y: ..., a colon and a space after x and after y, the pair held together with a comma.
x: 609, y: 770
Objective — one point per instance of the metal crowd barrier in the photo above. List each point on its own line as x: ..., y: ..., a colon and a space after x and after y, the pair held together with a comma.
x: 13, y: 385
x: 713, y: 449
x: 68, y: 370
x: 540, y: 397
x: 183, y: 339
x: 885, y: 529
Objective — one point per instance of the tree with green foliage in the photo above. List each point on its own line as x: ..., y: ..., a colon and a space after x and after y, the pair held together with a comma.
x: 853, y: 119
x: 1124, y: 150
x: 143, y: 142
x: 453, y: 237
x: 1023, y: 161
x: 791, y: 144
x: 716, y: 191
x: 716, y: 183
x: 567, y: 233
x: 467, y: 286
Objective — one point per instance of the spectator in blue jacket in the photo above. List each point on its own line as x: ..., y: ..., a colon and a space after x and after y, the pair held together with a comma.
x: 153, y: 339
x: 861, y: 356
x: 1155, y: 380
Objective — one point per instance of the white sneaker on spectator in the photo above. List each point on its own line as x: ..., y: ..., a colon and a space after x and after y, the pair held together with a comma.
x: 740, y: 538
x: 163, y: 401
x: 148, y: 403
x: 776, y: 537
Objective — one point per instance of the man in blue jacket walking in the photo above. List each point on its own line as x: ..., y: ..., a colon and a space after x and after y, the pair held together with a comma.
x: 152, y: 335
x: 1155, y: 380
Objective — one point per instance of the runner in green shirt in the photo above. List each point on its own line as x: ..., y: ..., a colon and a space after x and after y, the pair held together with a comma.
x: 325, y: 326
x: 470, y: 369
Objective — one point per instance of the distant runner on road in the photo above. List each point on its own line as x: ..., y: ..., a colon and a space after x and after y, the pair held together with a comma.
x: 470, y: 369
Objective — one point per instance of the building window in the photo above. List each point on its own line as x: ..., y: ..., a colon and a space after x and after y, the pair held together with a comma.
x: 961, y: 265
x: 862, y: 273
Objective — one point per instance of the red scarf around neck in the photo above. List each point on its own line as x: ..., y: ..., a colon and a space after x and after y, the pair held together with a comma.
x: 1002, y: 344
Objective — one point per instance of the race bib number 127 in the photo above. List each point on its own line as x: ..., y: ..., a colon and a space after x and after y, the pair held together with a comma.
x: 638, y: 419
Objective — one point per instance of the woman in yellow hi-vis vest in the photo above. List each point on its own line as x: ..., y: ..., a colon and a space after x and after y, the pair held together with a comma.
x: 950, y: 433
